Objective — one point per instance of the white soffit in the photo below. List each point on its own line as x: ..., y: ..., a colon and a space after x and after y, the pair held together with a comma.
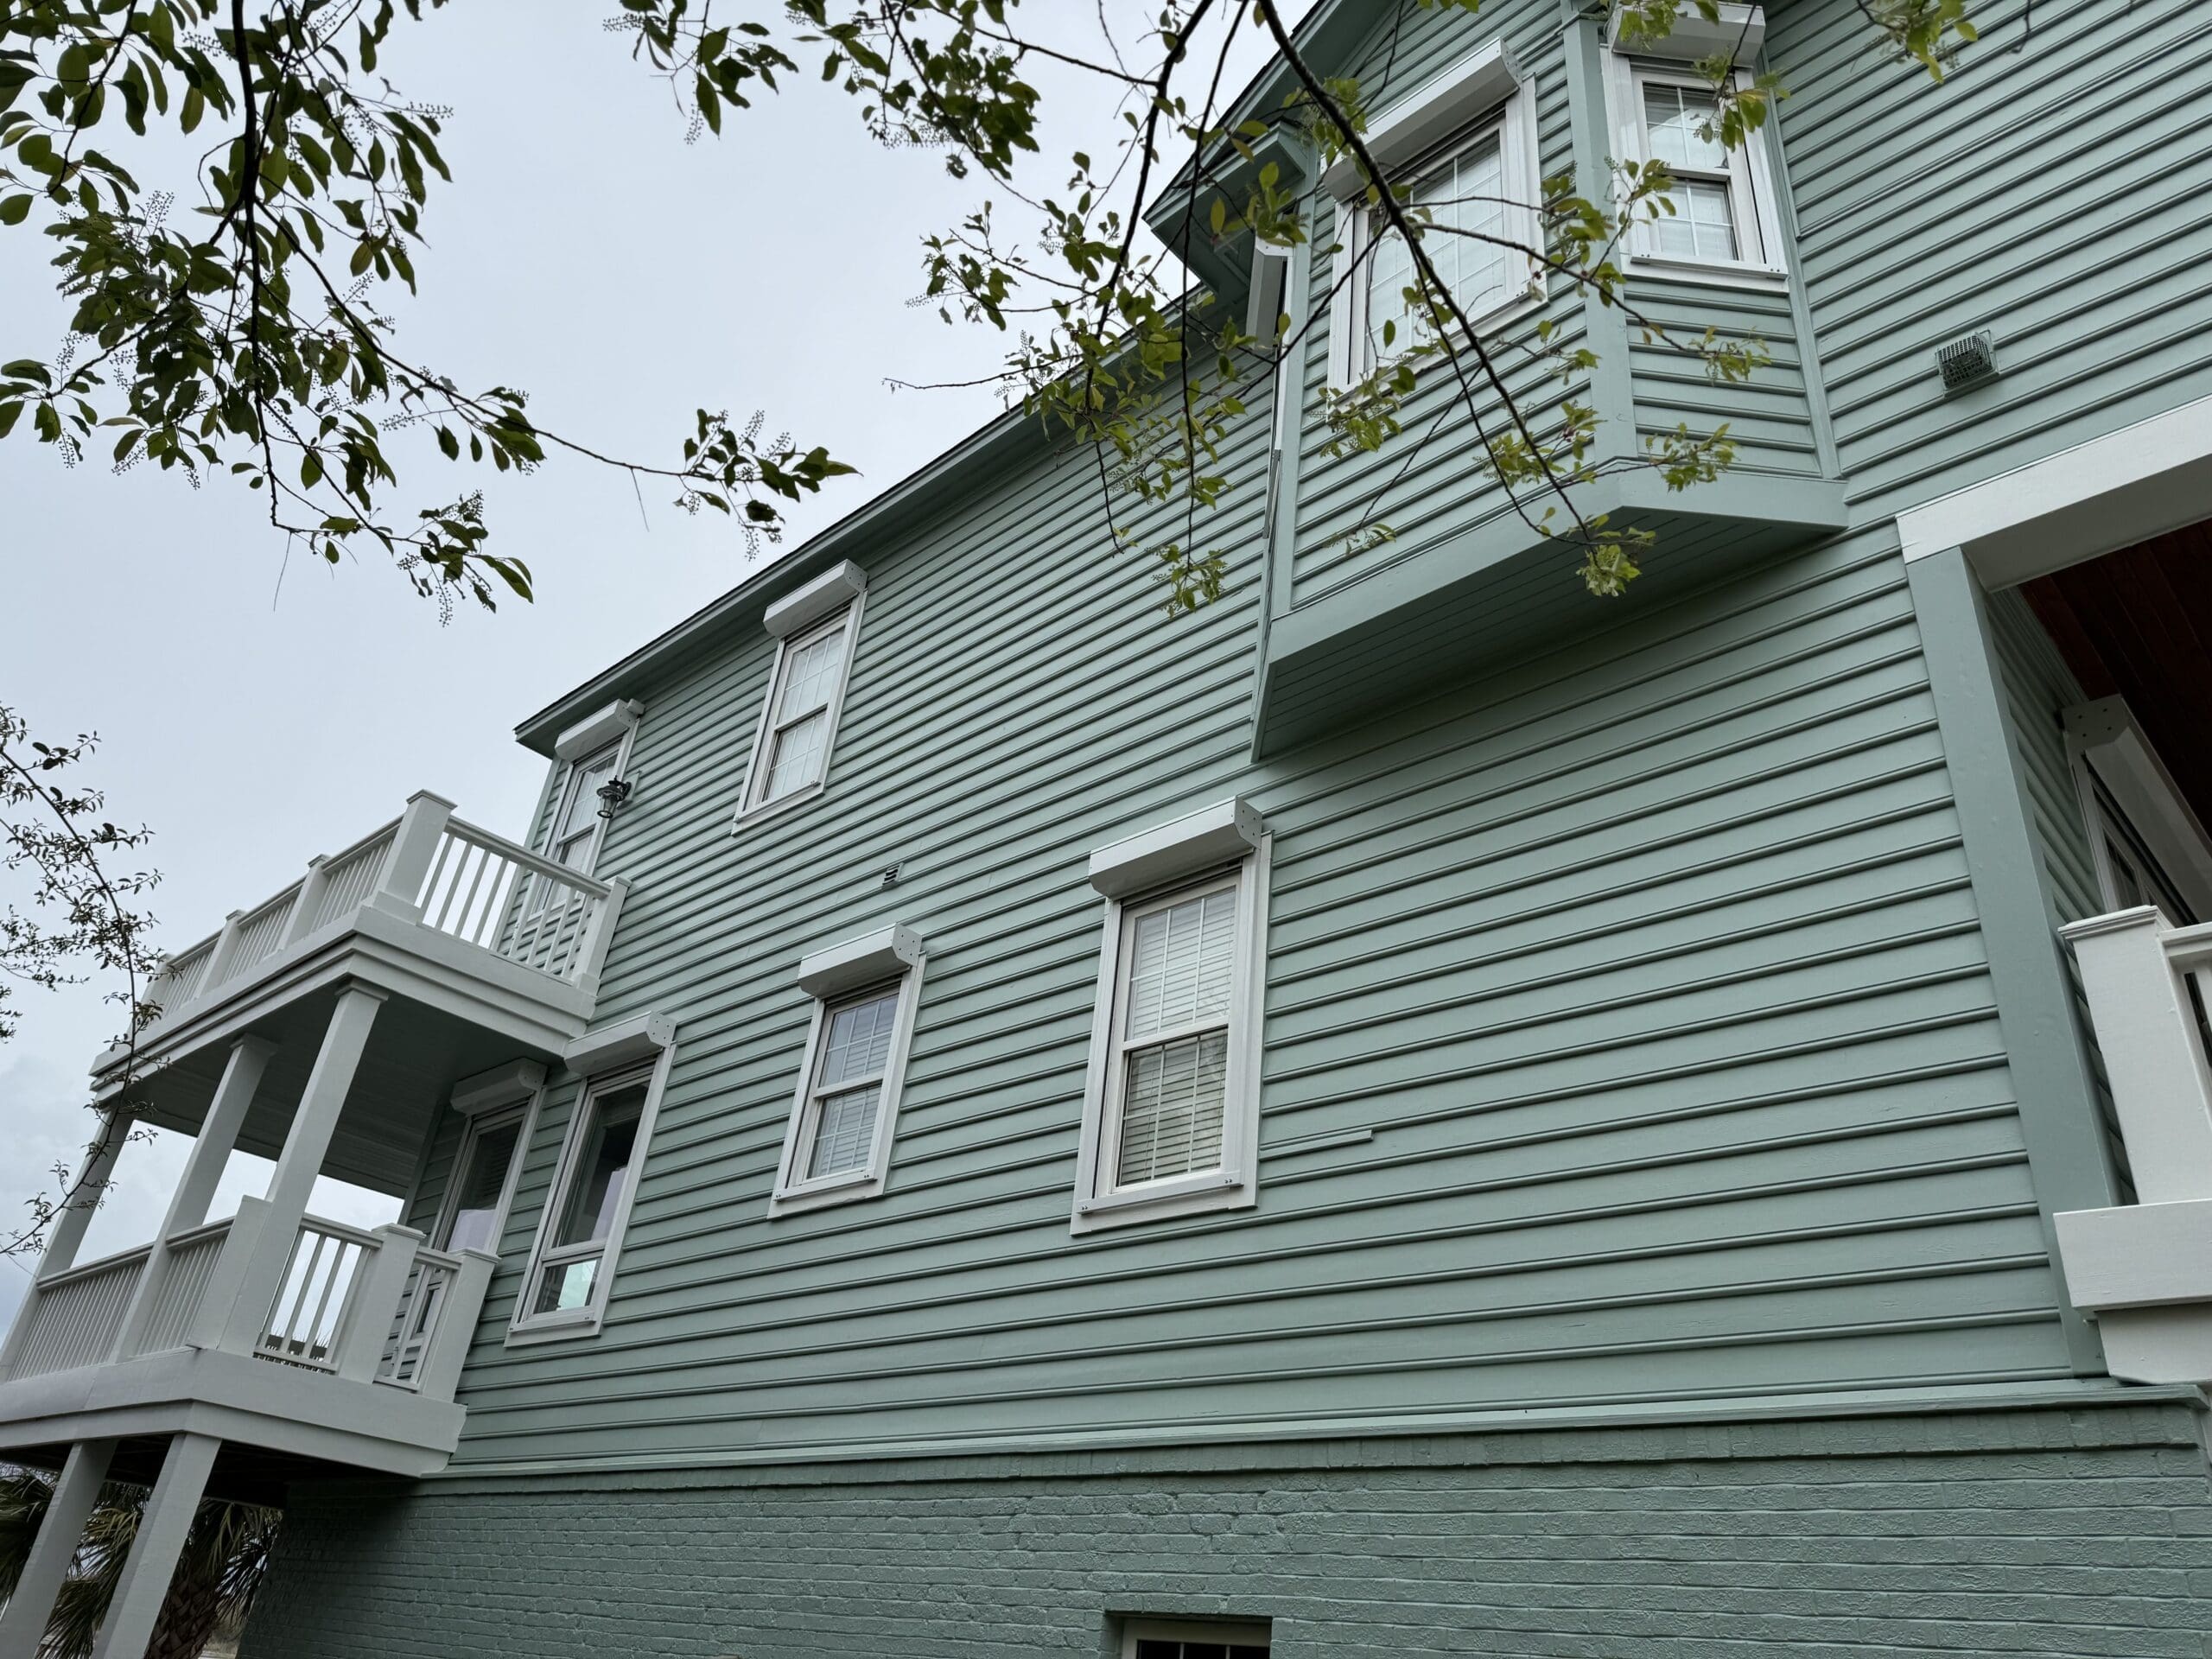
x: 1219, y: 834
x: 873, y: 957
x: 641, y: 1037
x: 1739, y: 33
x: 1485, y: 79
x: 2093, y: 499
x: 833, y: 589
x: 503, y: 1085
x: 595, y: 732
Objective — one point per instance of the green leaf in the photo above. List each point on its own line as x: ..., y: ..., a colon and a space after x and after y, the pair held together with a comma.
x: 14, y: 210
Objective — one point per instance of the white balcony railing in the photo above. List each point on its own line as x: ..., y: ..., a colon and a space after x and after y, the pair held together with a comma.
x: 363, y: 1306
x: 2145, y: 1270
x: 426, y: 868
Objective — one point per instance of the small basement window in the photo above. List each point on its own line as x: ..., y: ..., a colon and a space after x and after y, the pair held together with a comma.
x: 1180, y: 1639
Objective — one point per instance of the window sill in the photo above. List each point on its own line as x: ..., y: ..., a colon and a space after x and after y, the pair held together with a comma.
x: 1714, y: 273
x: 550, y: 1327
x: 1193, y: 1195
x: 818, y: 1195
x: 782, y: 804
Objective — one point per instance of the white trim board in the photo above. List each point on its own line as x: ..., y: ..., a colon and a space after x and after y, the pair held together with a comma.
x: 2085, y: 501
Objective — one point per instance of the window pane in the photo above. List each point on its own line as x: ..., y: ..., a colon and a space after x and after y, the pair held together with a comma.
x: 581, y: 816
x: 859, y: 1040
x: 795, y: 758
x: 1675, y: 116
x: 603, y: 1170
x: 845, y: 1131
x: 1465, y: 200
x: 810, y: 673
x: 1172, y: 1108
x: 566, y: 1286
x: 1181, y: 962
x: 481, y: 1183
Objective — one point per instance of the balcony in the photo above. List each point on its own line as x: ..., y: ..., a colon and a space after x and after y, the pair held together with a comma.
x: 321, y: 1342
x: 2144, y: 1270
x: 327, y: 1029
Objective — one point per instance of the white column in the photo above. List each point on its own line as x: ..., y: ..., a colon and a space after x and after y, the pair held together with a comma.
x: 76, y: 1488
x: 306, y: 1144
x: 151, y: 1564
x: 82, y: 1196
x: 203, y: 1169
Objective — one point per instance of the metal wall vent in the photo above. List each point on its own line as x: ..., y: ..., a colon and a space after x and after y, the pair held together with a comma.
x: 1967, y: 361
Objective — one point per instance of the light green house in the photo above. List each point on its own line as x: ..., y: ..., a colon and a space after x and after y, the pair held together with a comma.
x: 1412, y: 1111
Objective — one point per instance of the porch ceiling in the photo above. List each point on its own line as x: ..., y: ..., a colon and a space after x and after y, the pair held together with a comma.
x: 415, y: 1054
x: 2137, y: 624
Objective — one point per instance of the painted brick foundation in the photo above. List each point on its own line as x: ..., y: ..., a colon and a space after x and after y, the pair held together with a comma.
x: 2087, y: 1531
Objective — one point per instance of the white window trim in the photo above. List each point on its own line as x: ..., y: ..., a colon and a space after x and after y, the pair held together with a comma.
x: 516, y: 1097
x: 751, y: 807
x: 614, y: 727
x: 1235, y: 1184
x: 833, y: 977
x: 2105, y: 738
x: 1247, y: 1632
x: 1751, y: 199
x: 1512, y: 121
x: 523, y: 1326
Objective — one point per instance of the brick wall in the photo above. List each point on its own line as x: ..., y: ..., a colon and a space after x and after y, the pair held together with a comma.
x: 2044, y: 1532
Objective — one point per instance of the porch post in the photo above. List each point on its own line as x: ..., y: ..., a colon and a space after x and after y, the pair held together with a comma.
x: 195, y: 1188
x: 81, y: 1198
x: 76, y: 1488
x: 306, y: 1144
x: 151, y: 1564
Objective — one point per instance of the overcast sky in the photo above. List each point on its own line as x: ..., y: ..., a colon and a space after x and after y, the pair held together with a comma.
x: 253, y: 713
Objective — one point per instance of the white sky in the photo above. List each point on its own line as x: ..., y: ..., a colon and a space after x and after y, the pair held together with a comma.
x: 254, y: 714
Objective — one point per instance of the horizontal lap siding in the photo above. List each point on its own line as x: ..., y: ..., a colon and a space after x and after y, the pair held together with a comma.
x: 1628, y: 1031
x: 1431, y: 482
x: 1768, y: 415
x: 2060, y: 196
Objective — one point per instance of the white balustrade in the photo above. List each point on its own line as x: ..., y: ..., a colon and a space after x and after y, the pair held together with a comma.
x: 429, y: 868
x: 303, y: 1323
x: 73, y: 1317
x: 188, y: 1264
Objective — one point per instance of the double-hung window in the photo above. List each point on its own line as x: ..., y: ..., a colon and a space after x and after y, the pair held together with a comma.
x: 1460, y: 156
x: 1172, y: 1098
x: 572, y: 1265
x: 1663, y: 109
x: 815, y: 629
x: 592, y: 754
x: 837, y: 1144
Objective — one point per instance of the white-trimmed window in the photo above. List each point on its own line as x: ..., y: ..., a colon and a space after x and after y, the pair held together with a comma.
x: 1194, y: 1638
x: 815, y: 629
x: 837, y: 1143
x: 1662, y: 109
x: 1465, y: 149
x: 2147, y: 845
x: 591, y: 753
x: 1170, y: 1109
x: 579, y: 1234
x: 483, y: 1185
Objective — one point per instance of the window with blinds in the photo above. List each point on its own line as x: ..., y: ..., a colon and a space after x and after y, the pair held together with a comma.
x: 1171, y: 1047
x: 837, y: 1143
x: 793, y: 752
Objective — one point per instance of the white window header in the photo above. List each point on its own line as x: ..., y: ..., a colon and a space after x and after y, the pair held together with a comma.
x: 1738, y: 34
x: 1213, y: 834
x: 882, y: 955
x: 610, y: 725
x: 641, y: 1037
x: 1482, y: 81
x: 838, y: 586
x: 503, y: 1085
